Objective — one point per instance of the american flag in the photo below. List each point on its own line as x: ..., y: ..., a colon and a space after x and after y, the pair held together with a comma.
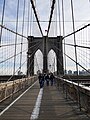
x: 45, y: 30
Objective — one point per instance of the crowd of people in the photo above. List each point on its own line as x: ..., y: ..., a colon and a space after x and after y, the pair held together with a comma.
x: 46, y: 78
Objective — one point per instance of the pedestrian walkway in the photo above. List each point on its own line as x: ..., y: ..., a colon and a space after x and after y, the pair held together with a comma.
x: 53, y: 106
x: 23, y: 107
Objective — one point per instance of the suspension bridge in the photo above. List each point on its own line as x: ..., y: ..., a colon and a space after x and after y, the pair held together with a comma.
x: 42, y: 37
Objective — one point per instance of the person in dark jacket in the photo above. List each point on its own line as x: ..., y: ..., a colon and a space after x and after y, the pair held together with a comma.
x: 51, y: 79
x: 47, y: 79
x: 41, y: 80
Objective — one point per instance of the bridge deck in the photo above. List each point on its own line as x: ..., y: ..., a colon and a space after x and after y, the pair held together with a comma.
x: 53, y: 106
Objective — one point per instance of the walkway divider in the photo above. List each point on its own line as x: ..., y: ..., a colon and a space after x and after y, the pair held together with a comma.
x: 35, y: 113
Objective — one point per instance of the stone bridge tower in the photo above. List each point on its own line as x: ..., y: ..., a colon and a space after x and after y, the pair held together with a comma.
x: 46, y: 44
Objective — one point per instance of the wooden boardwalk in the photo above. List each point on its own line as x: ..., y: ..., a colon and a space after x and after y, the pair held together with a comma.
x: 53, y: 106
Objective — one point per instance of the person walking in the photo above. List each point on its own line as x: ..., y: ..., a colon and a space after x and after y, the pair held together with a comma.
x: 41, y: 80
x: 47, y: 79
x: 52, y: 78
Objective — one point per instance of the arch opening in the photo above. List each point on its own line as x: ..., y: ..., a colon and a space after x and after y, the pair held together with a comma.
x: 52, y: 62
x: 38, y: 61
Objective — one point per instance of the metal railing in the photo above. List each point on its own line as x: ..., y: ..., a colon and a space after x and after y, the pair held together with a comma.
x: 10, y: 88
x: 78, y: 93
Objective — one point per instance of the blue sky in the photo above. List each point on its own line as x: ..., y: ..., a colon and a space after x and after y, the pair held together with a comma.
x: 81, y: 11
x: 81, y: 14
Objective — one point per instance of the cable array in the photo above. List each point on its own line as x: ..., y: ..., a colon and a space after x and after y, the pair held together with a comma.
x: 14, y: 36
x: 13, y: 39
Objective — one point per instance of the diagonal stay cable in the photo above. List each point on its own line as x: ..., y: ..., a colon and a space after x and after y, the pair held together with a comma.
x: 80, y: 46
x: 74, y: 61
x: 35, y: 13
x: 22, y: 76
x: 22, y: 51
x: 12, y: 31
x: 4, y: 45
x: 77, y: 63
x: 18, y: 53
x: 77, y: 30
x: 77, y: 46
x: 50, y: 19
x: 22, y: 64
x: 65, y: 74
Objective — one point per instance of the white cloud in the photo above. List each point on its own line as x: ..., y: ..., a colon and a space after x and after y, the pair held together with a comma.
x: 81, y: 12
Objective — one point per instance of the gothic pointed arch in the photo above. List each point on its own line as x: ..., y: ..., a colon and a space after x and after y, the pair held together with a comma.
x: 38, y: 61
x: 45, y: 44
x: 52, y: 63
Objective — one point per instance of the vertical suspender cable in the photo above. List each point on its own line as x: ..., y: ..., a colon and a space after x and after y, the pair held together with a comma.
x: 64, y: 34
x: 64, y: 41
x: 31, y: 22
x: 54, y: 21
x: 16, y: 38
x: 73, y: 22
x: 2, y: 19
x: 28, y: 17
x: 59, y: 17
x: 22, y: 34
x: 56, y: 18
x: 86, y: 49
x: 15, y: 47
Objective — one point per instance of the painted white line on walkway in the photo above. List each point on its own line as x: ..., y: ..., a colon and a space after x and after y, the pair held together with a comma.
x: 36, y: 109
x: 17, y: 99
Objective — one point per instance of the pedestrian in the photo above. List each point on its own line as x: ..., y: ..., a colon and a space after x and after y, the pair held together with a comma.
x: 47, y: 79
x: 43, y: 79
x: 40, y: 77
x: 52, y: 78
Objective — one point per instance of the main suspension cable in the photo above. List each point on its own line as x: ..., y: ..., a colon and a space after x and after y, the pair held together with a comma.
x: 51, y: 14
x: 35, y: 13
